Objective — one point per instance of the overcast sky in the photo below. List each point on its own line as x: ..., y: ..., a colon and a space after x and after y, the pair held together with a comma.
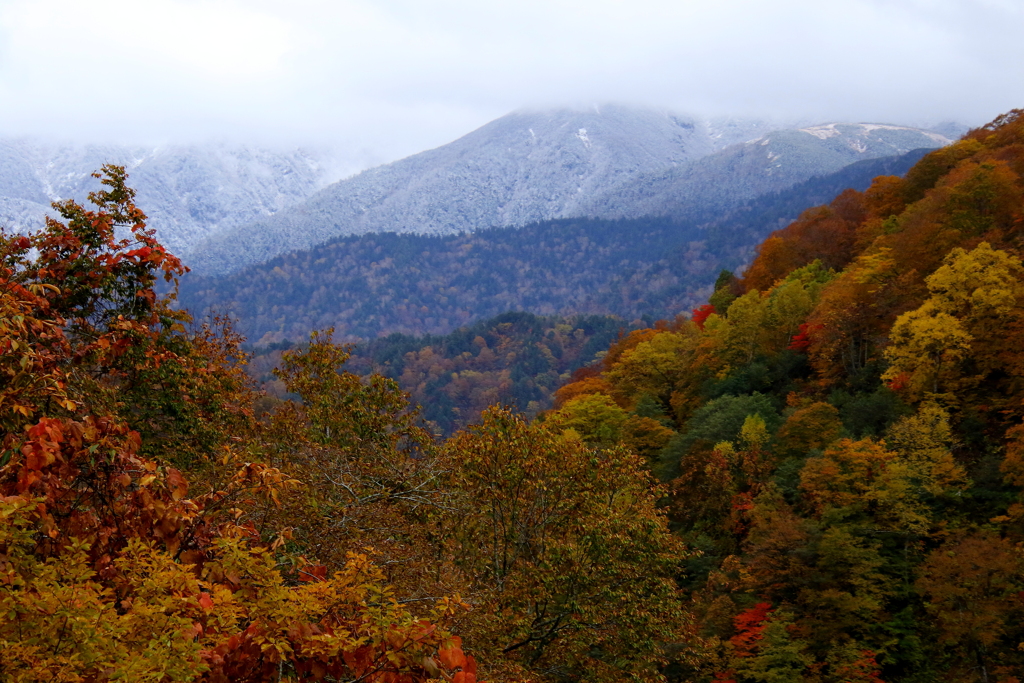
x: 387, y: 78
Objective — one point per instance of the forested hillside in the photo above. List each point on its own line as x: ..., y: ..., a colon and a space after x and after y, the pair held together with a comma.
x: 413, y: 284
x: 514, y: 359
x: 158, y: 525
x: 815, y: 477
x: 841, y: 432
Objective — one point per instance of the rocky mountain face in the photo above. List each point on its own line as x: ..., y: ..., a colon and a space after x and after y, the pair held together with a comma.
x: 188, y: 192
x: 609, y: 162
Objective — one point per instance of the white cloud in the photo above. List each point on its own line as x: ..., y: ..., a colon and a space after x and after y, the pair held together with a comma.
x: 212, y: 39
x: 395, y: 76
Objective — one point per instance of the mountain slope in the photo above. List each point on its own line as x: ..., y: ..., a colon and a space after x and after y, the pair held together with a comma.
x: 521, y: 168
x: 767, y: 164
x: 528, y: 166
x: 374, y: 284
x: 851, y: 442
x: 189, y: 191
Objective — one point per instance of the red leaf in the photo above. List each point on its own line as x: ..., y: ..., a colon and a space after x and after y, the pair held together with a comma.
x: 700, y: 314
x: 899, y: 381
x: 749, y: 627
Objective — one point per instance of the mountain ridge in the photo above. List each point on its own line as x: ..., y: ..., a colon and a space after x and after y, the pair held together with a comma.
x: 374, y: 284
x: 528, y: 166
x: 768, y: 163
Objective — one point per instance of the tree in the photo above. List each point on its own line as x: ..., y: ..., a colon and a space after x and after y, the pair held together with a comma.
x: 825, y: 233
x: 923, y: 441
x: 886, y: 197
x: 809, y: 427
x: 595, y: 418
x: 976, y: 300
x: 152, y: 618
x: 926, y: 351
x: 972, y: 583
x: 864, y: 478
x: 111, y: 569
x: 570, y: 563
x: 716, y: 421
x: 653, y: 367
x: 371, y: 473
x: 848, y: 324
x: 778, y: 657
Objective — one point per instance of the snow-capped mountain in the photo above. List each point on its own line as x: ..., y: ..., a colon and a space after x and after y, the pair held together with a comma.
x: 768, y: 163
x: 529, y: 166
x: 521, y: 168
x: 222, y: 207
x: 188, y: 192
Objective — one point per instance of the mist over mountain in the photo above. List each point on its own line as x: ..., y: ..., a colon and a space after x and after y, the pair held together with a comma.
x: 188, y: 191
x: 607, y: 162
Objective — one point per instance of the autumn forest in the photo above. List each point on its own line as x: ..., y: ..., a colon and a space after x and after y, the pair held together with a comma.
x: 814, y: 476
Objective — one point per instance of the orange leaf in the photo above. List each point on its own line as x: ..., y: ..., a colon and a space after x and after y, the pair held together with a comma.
x: 316, y: 572
x: 452, y: 657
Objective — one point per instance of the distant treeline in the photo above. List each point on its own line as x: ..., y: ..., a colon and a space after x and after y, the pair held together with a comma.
x: 514, y: 359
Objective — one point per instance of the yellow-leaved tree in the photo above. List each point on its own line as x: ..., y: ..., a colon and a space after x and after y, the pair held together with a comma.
x: 570, y: 564
x: 959, y: 339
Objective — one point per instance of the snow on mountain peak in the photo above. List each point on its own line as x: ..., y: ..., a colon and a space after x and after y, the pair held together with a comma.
x: 822, y: 132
